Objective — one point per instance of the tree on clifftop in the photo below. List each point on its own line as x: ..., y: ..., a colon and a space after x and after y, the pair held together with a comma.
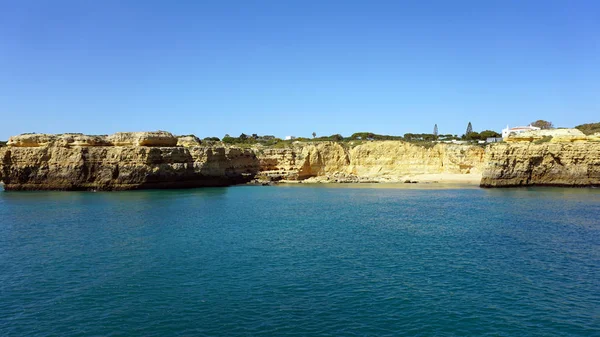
x: 435, y: 132
x: 542, y: 124
x: 473, y: 136
x: 589, y: 128
x: 488, y: 134
x: 469, y: 129
x: 314, y: 134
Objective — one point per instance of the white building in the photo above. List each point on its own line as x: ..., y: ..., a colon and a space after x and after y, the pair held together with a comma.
x: 517, y: 129
x: 290, y: 137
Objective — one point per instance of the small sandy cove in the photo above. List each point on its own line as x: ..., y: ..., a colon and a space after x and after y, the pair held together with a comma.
x: 447, y: 178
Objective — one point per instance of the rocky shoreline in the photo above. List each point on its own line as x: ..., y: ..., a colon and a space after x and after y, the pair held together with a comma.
x: 548, y: 164
x: 149, y: 160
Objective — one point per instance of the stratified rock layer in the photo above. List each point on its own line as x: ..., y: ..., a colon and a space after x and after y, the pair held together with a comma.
x: 546, y: 164
x: 553, y: 135
x: 371, y: 161
x: 188, y: 141
x: 58, y: 166
x: 137, y: 160
x: 156, y: 138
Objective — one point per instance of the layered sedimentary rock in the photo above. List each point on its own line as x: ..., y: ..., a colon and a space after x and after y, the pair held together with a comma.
x: 594, y: 137
x: 31, y: 140
x: 53, y: 164
x: 370, y: 161
x: 153, y: 138
x: 551, y: 135
x: 135, y: 160
x: 188, y: 141
x: 157, y: 138
x: 2, y: 155
x: 550, y: 163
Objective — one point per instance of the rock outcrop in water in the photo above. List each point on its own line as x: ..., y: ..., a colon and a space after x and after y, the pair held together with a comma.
x: 556, y: 157
x: 119, y: 162
x: 546, y: 164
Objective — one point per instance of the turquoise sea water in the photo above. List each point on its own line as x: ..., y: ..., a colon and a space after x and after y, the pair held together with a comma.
x: 301, y: 260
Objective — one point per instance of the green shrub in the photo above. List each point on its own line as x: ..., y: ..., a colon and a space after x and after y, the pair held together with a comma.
x: 372, y: 136
x: 424, y: 143
x: 544, y: 139
x: 489, y: 134
x: 410, y: 137
x: 589, y: 128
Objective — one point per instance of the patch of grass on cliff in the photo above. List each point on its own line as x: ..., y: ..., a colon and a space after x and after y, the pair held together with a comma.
x: 424, y: 144
x: 544, y: 139
x: 281, y: 144
x: 243, y: 145
x: 589, y: 128
x: 2, y: 143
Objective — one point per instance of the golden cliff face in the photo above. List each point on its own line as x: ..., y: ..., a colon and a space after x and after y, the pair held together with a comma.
x: 141, y: 160
x: 54, y: 164
x: 371, y: 161
x: 393, y: 158
x: 527, y: 164
x: 2, y: 154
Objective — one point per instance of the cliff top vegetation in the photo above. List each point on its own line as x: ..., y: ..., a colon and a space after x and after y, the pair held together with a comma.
x: 543, y: 124
x: 589, y: 128
x: 422, y: 139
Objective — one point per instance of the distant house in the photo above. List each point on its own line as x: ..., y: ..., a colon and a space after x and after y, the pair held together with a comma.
x: 290, y: 137
x: 517, y: 129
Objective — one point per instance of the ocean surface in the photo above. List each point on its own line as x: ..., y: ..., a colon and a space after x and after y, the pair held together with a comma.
x: 324, y: 260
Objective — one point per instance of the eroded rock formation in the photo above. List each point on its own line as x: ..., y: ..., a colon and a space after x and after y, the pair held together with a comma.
x: 370, y: 161
x: 157, y: 138
x: 551, y: 164
x: 135, y: 160
x: 188, y: 141
x: 551, y: 135
x: 126, y: 161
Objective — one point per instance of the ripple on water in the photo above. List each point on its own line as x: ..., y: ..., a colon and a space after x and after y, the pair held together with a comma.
x: 301, y: 261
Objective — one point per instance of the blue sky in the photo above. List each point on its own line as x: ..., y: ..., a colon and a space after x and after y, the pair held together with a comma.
x: 294, y: 67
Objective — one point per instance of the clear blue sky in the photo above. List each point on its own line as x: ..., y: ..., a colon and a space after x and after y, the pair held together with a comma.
x: 293, y: 67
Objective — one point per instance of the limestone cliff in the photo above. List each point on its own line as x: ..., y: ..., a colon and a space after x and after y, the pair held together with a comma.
x: 552, y: 135
x: 551, y: 163
x: 119, y: 162
x: 2, y: 154
x: 135, y: 160
x: 370, y: 161
x: 188, y: 141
